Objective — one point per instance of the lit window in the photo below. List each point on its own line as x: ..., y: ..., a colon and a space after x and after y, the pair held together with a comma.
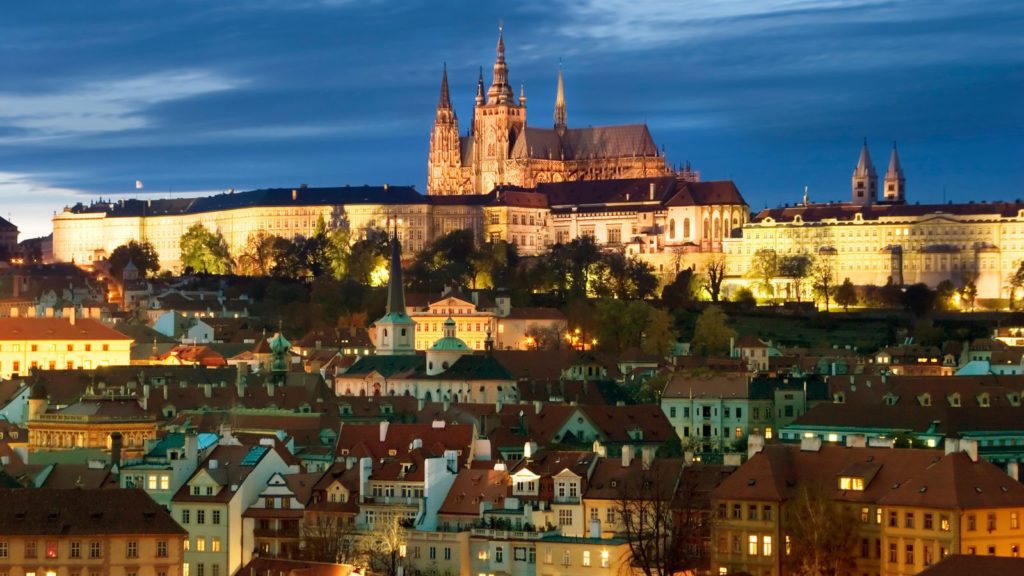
x: 851, y: 483
x: 767, y: 545
x: 752, y: 545
x: 604, y: 558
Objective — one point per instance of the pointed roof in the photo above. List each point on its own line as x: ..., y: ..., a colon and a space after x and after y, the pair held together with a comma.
x: 895, y: 170
x: 444, y: 102
x: 396, y: 293
x: 500, y: 92
x: 864, y: 165
x: 560, y: 120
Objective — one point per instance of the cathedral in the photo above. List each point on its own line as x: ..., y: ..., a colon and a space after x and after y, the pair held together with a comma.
x: 500, y: 149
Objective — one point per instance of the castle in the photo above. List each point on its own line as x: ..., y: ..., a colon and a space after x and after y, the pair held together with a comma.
x: 500, y: 149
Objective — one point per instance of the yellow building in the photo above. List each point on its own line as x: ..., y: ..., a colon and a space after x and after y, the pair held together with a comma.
x: 912, y: 507
x: 48, y: 532
x: 874, y: 241
x: 114, y: 422
x: 28, y: 344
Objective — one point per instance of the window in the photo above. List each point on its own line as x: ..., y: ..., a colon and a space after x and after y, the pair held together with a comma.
x: 161, y: 548
x: 185, y: 516
x: 151, y: 485
x: 737, y: 512
x: 971, y: 523
x: 215, y: 568
x: 75, y: 549
x: 611, y: 515
x: 216, y: 517
x: 566, y: 558
x: 586, y: 557
x: 165, y: 482
x: 766, y: 513
x: 850, y: 483
x: 95, y: 549
x: 200, y: 570
x: 752, y: 545
x: 878, y: 516
x: 990, y: 522
x: 766, y: 545
x: 865, y: 548
x: 892, y: 553
x: 893, y: 520
x: 132, y: 549
x: 447, y: 553
x: 200, y: 544
x: 30, y: 549
x: 51, y: 549
x: 944, y: 523
x: 752, y: 512
x: 865, y: 514
x: 908, y: 520
x: 215, y: 544
x: 737, y: 545
x: 926, y: 552
x: 908, y: 554
x: 200, y: 516
x: 565, y: 517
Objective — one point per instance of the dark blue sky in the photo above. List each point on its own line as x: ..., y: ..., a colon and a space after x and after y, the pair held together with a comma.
x: 200, y: 95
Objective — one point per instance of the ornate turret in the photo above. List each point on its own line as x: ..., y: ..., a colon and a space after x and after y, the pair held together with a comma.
x: 396, y: 331
x: 445, y: 159
x: 895, y: 184
x: 38, y: 400
x: 480, y: 88
x: 279, y: 347
x: 560, y: 124
x: 865, y: 179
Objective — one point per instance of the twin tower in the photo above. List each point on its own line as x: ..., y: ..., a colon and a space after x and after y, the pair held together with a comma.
x: 865, y: 180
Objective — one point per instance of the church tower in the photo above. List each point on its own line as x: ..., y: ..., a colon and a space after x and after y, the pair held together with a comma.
x: 444, y: 168
x: 560, y: 124
x: 865, y: 179
x: 396, y: 332
x: 895, y: 184
x: 497, y: 122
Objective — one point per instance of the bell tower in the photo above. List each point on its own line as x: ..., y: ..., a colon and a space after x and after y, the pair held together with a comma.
x: 865, y: 180
x: 895, y: 184
x: 497, y: 122
x: 396, y: 331
x: 444, y: 166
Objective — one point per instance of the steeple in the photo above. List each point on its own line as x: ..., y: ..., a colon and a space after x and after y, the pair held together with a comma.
x: 444, y: 103
x: 560, y: 103
x: 500, y: 92
x: 895, y: 183
x: 865, y: 179
x: 396, y: 331
x: 522, y: 94
x: 396, y: 293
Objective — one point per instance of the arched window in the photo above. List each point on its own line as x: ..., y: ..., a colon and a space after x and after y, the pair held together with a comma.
x: 707, y: 229
x: 686, y: 227
x: 718, y: 228
x: 672, y: 228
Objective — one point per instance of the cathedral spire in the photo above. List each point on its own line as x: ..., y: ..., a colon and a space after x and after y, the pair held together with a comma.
x: 560, y: 124
x: 396, y: 293
x: 480, y: 88
x: 444, y: 103
x: 500, y: 92
x: 865, y: 179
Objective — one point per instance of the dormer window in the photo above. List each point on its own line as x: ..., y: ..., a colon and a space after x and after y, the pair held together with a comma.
x: 891, y: 399
x: 196, y: 490
x: 984, y: 400
x: 954, y: 400
x: 1013, y: 398
x: 925, y: 399
x: 851, y: 483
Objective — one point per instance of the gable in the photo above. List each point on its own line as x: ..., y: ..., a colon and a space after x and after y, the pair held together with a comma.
x: 455, y: 305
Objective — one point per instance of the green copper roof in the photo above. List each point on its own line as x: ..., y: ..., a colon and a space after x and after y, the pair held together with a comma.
x: 449, y: 343
x: 396, y: 318
x: 388, y: 365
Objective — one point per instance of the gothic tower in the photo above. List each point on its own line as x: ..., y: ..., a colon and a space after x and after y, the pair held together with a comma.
x: 497, y: 122
x: 895, y: 184
x: 396, y: 332
x: 444, y: 169
x: 865, y: 179
x: 560, y: 124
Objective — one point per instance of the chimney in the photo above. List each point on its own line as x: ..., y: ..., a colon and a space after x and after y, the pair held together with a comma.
x: 755, y: 444
x: 165, y: 387
x: 538, y: 406
x: 810, y: 444
x: 650, y: 191
x: 71, y: 316
x: 732, y: 459
x: 627, y: 456
x: 856, y: 441
x: 116, y: 441
x: 475, y: 297
x: 970, y: 447
x: 647, y: 456
x: 191, y: 447
x: 529, y: 449
x: 952, y: 445
x: 600, y: 449
x: 421, y: 403
x: 416, y: 443
x: 208, y: 390
x: 212, y: 465
x: 595, y: 528
x: 383, y: 430
x: 365, y: 465
x: 497, y: 406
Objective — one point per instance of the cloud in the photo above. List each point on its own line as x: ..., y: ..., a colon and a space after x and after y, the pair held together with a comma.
x: 114, y: 105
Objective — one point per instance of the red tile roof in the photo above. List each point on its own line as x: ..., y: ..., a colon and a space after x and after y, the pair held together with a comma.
x: 56, y: 329
x: 49, y: 512
x: 472, y: 488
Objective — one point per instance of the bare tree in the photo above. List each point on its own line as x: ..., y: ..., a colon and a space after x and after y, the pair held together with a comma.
x: 331, y: 539
x: 661, y: 524
x: 821, y: 533
x: 715, y: 272
x: 385, y: 544
x: 823, y: 275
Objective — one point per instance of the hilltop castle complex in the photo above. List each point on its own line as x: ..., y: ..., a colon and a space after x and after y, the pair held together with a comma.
x: 535, y: 187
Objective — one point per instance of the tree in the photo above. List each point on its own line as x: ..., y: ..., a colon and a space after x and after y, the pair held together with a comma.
x: 821, y: 533
x: 204, y: 251
x: 846, y: 295
x: 679, y: 293
x: 448, y: 260
x: 745, y: 298
x: 796, y: 268
x: 944, y: 295
x: 764, y: 267
x: 495, y: 264
x: 367, y: 257
x: 661, y: 519
x: 659, y: 335
x: 969, y: 292
x: 919, y: 299
x: 824, y: 279
x: 142, y: 254
x: 712, y: 334
x: 1016, y: 282
x: 714, y: 272
x: 386, y: 541
x: 329, y: 539
x: 543, y: 337
x: 259, y: 255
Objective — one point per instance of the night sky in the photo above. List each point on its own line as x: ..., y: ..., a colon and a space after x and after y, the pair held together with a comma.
x: 202, y: 96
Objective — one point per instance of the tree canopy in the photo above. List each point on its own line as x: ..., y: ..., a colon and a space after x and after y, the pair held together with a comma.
x: 142, y: 254
x: 712, y: 334
x: 204, y: 251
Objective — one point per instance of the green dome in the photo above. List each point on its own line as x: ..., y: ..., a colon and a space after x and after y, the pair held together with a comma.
x: 449, y: 343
